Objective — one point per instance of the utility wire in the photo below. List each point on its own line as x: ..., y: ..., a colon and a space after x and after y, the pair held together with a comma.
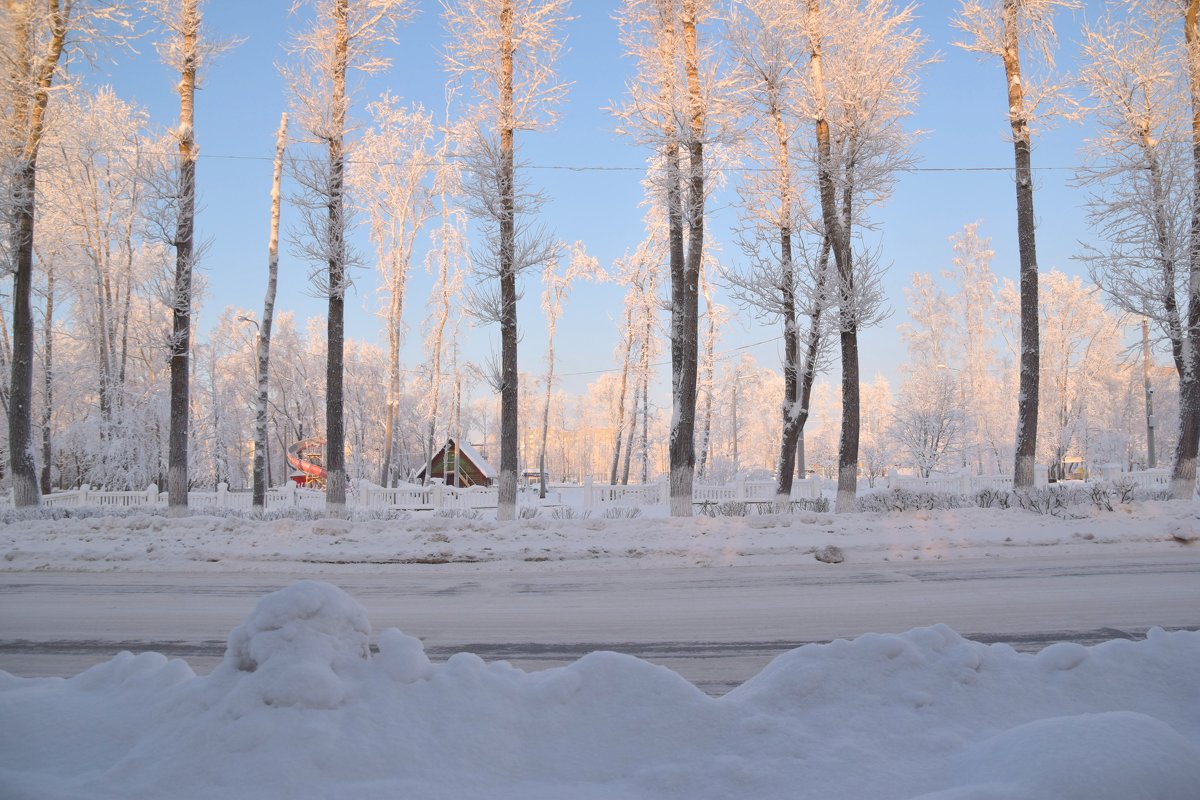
x: 576, y: 167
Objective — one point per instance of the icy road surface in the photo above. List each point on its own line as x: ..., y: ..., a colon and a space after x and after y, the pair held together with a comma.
x: 716, y: 626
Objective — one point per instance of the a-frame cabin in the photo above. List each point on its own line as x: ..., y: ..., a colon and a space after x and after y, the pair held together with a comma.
x: 459, y: 464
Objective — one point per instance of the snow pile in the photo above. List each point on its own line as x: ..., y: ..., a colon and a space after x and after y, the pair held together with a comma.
x: 142, y: 541
x: 300, y: 708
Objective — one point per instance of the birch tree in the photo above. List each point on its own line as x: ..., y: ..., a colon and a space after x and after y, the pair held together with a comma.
x: 1003, y: 29
x: 343, y: 36
x: 258, y: 501
x: 1143, y: 88
x: 506, y: 51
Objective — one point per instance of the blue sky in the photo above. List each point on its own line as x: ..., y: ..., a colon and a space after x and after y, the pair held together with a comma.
x: 962, y: 109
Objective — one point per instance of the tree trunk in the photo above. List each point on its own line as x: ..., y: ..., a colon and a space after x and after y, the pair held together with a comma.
x: 392, y: 410
x: 708, y: 365
x: 335, y: 430
x: 1027, y: 400
x: 791, y: 335
x: 633, y: 416
x: 509, y: 389
x: 181, y: 312
x: 616, y: 459
x: 47, y: 379
x: 838, y: 233
x: 264, y: 334
x: 685, y: 277
x: 29, y: 120
x: 1183, y: 475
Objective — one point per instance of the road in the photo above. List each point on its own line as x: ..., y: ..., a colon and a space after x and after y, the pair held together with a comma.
x: 716, y: 626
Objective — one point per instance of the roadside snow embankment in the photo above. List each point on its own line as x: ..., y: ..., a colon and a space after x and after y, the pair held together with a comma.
x: 301, y: 709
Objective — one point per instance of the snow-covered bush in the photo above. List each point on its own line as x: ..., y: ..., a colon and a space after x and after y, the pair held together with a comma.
x: 567, y: 512
x: 622, y: 512
x: 457, y: 513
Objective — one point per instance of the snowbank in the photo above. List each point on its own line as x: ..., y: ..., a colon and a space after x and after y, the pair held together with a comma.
x: 300, y: 708
x: 151, y: 542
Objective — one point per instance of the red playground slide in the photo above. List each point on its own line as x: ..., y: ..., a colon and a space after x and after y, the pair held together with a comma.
x: 307, y: 457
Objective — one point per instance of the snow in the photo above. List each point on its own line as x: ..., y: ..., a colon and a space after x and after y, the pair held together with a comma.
x: 309, y: 701
x: 300, y: 708
x: 141, y: 541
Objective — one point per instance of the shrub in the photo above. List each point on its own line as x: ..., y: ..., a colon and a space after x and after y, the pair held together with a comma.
x: 622, y: 512
x: 567, y: 512
x: 457, y: 513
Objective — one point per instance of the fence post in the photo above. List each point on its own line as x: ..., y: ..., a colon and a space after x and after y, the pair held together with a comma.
x: 222, y: 495
x: 83, y: 494
x: 439, y: 496
x: 151, y: 495
x: 739, y: 488
x: 1041, y: 476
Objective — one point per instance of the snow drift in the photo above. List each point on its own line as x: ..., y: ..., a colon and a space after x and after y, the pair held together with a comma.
x: 301, y: 707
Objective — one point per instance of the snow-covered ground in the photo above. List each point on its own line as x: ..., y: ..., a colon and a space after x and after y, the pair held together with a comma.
x: 152, y: 541
x: 300, y: 708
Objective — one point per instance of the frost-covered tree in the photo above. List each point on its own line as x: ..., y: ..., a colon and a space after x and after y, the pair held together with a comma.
x: 670, y: 108
x: 35, y: 40
x: 864, y: 59
x: 1141, y: 75
x: 394, y: 188
x: 506, y: 52
x: 342, y: 36
x: 928, y: 418
x: 186, y: 50
x: 1080, y: 350
x: 782, y: 280
x: 1004, y: 29
x: 556, y: 288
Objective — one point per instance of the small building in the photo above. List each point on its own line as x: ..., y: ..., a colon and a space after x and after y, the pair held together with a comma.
x: 459, y: 464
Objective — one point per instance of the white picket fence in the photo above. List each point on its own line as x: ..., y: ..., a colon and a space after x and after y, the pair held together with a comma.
x: 659, y: 493
x: 970, y: 484
x: 957, y: 484
x: 364, y: 495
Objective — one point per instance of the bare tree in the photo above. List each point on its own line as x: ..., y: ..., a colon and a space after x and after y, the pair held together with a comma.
x: 258, y: 500
x: 671, y: 108
x: 928, y: 418
x: 782, y: 281
x: 557, y: 286
x: 1138, y: 75
x: 1002, y: 28
x: 862, y: 81
x: 344, y: 35
x: 507, y: 51
x: 34, y: 40
x: 396, y: 193
x: 447, y: 259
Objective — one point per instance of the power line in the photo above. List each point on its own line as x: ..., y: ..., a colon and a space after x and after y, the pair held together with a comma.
x: 582, y: 167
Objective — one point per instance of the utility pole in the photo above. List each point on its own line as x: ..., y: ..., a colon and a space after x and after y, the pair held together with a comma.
x: 1151, y: 459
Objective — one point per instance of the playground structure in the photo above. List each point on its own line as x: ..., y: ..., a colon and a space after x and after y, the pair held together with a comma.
x: 307, y: 458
